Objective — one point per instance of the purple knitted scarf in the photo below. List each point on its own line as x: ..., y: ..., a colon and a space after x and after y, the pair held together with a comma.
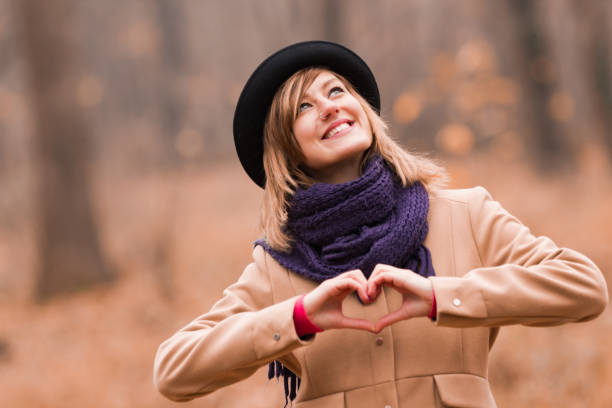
x: 357, y: 225
x: 354, y: 225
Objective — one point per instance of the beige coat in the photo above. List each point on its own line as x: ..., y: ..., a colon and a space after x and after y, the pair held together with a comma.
x: 490, y: 271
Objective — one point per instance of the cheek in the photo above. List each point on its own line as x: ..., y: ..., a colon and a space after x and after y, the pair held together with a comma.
x: 362, y: 115
x: 301, y: 132
x: 367, y: 125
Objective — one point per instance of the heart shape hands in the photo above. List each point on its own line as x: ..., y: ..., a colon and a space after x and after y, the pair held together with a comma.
x: 323, y: 305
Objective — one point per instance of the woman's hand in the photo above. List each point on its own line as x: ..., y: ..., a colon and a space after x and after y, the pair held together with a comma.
x: 416, y: 292
x: 323, y: 305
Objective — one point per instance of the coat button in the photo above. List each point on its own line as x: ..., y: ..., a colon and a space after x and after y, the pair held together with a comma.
x: 456, y: 302
x: 276, y: 336
x: 379, y: 341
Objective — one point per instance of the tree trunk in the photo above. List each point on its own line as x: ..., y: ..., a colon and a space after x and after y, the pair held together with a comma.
x: 547, y: 142
x: 170, y: 21
x: 333, y: 21
x: 599, y: 63
x: 69, y: 252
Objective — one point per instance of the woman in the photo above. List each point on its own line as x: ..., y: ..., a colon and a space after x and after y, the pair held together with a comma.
x: 346, y: 210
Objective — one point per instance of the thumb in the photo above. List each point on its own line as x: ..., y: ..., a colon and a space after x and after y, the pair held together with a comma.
x: 359, y: 324
x: 389, y: 319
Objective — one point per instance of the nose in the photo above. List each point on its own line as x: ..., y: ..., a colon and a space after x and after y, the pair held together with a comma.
x: 327, y: 108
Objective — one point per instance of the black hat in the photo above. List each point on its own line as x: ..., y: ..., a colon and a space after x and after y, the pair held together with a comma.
x: 256, y: 97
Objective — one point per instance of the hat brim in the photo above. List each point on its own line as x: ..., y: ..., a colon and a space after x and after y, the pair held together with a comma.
x: 258, y: 93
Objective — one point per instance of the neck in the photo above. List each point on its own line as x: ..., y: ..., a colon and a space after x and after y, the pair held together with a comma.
x: 339, y: 172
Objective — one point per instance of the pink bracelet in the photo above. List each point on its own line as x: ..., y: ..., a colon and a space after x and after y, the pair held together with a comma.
x: 303, y: 325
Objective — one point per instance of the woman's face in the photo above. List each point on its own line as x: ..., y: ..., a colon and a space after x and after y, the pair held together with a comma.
x: 332, y: 130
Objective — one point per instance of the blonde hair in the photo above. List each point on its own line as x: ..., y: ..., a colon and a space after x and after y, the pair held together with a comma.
x: 283, y: 157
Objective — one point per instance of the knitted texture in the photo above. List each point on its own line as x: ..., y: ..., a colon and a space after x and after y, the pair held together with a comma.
x: 355, y: 225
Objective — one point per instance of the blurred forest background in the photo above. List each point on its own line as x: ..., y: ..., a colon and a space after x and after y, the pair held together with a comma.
x: 124, y: 211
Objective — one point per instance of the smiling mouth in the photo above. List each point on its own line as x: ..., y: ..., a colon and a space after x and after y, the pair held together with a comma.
x: 337, y: 129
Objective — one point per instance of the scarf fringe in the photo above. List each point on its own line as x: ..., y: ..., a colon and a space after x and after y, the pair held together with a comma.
x: 291, y: 381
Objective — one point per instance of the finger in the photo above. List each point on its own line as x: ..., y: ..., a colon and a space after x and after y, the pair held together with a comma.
x: 389, y: 319
x: 329, y: 289
x: 397, y: 280
x: 372, y: 288
x: 379, y: 269
x: 359, y: 324
x: 358, y: 273
x: 373, y: 291
x: 357, y: 276
x: 326, y: 298
x: 406, y: 281
x: 375, y: 282
x: 362, y: 292
x: 342, y: 288
x: 382, y: 268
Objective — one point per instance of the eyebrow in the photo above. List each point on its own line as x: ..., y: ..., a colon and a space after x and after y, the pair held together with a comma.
x: 324, y: 85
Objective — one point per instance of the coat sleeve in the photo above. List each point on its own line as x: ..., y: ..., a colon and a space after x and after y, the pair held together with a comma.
x: 523, y: 279
x: 243, y: 331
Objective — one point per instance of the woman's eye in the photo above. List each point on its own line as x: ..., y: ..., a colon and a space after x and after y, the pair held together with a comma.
x: 335, y: 90
x: 303, y: 107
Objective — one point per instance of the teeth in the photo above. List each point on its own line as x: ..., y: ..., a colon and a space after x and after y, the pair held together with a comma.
x: 337, y: 129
